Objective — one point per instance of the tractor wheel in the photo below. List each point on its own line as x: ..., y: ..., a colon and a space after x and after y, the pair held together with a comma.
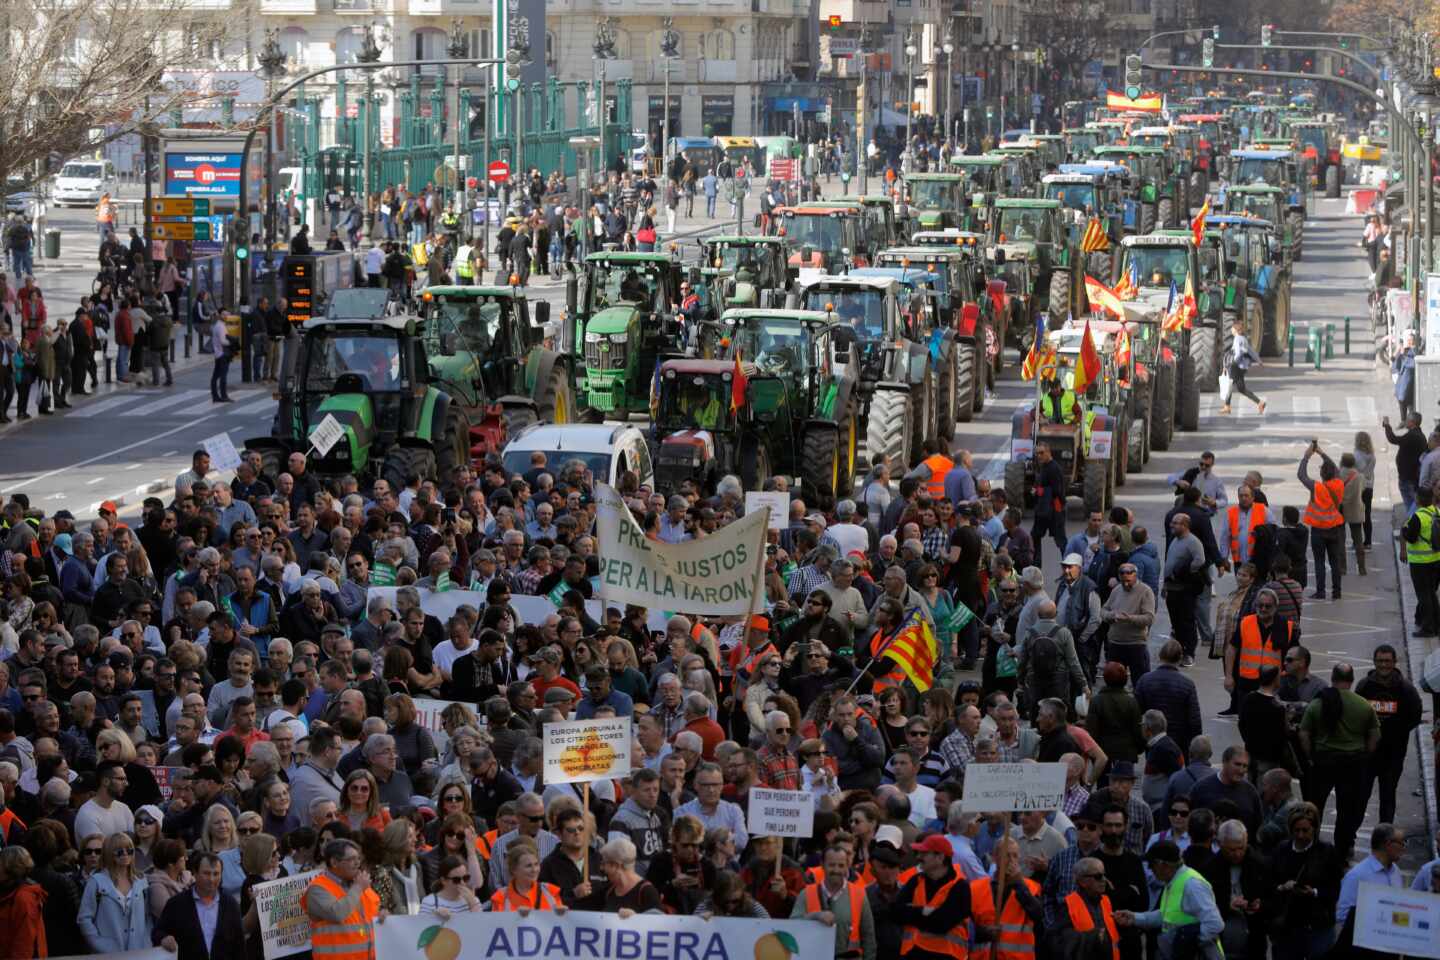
x: 888, y: 432
x: 1162, y: 409
x: 1096, y: 486
x: 1061, y: 307
x: 754, y: 465
x: 1332, y: 181
x: 1187, y: 400
x: 947, y: 407
x: 1015, y: 484
x: 820, y: 461
x: 1148, y: 215
x: 453, y: 451
x: 1121, y: 455
x: 962, y: 373
x: 556, y: 403
x: 401, y: 463
x: 1165, y: 212
x: 1205, y: 354
x: 1199, y: 186
x: 983, y: 372
x: 1135, y: 446
x: 517, y: 418
x: 1272, y: 340
x: 922, y: 416
x: 849, y: 421
x: 1297, y: 231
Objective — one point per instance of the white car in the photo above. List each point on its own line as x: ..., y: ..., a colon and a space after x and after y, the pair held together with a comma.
x: 607, y: 449
x: 84, y: 182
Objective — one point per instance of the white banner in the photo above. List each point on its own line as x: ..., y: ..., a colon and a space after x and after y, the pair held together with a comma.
x: 781, y: 813
x: 776, y: 500
x: 283, y: 921
x: 1002, y: 787
x: 578, y: 751
x: 596, y: 936
x: 1397, y: 921
x: 716, y: 576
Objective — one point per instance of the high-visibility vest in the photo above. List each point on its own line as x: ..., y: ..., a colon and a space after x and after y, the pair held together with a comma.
x: 485, y: 844
x: 8, y: 822
x: 857, y: 904
x: 1255, y: 655
x: 1172, y: 914
x: 1323, y: 510
x: 463, y: 267
x: 951, y: 943
x: 940, y: 465
x: 1067, y: 407
x: 1081, y: 920
x: 542, y: 896
x: 1422, y: 550
x: 1257, y: 517
x: 352, y: 938
x: 1015, y: 934
x: 742, y: 664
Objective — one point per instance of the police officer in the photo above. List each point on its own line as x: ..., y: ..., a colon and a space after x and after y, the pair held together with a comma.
x: 1422, y: 553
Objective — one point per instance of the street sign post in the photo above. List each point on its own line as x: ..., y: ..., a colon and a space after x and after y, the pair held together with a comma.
x: 178, y: 207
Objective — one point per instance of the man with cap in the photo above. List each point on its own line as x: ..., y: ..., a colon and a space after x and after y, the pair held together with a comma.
x: 1085, y: 927
x: 882, y: 891
x: 561, y: 699
x: 599, y: 694
x: 745, y: 658
x: 1187, y: 917
x: 933, y: 905
x: 839, y: 902
x: 1078, y: 603
x: 1139, y: 821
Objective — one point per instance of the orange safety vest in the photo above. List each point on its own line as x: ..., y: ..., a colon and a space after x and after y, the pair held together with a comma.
x: 1255, y: 655
x: 1255, y: 521
x: 352, y: 938
x: 743, y: 660
x: 9, y: 820
x: 1016, y: 933
x: 1325, y: 515
x: 857, y: 904
x: 939, y: 465
x: 951, y: 944
x: 1081, y: 920
x: 543, y: 896
x: 485, y: 844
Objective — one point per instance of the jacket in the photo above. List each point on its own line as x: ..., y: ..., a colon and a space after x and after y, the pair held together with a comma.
x: 647, y: 830
x: 1396, y: 703
x: 179, y: 920
x: 1050, y: 484
x: 1172, y: 693
x: 22, y: 917
x: 1256, y: 883
x: 112, y: 923
x: 1114, y: 722
x: 860, y: 761
x: 1066, y: 681
x: 1146, y: 558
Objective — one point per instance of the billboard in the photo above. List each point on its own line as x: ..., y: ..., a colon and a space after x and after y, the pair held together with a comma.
x: 202, y: 174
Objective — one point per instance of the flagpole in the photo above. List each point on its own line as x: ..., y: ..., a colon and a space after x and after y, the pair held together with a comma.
x: 888, y: 643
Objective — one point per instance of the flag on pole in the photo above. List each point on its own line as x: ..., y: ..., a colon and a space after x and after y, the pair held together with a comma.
x: 1147, y: 103
x: 1122, y: 347
x: 1095, y: 239
x: 1033, y: 359
x: 1129, y: 286
x: 1087, y: 367
x: 1188, y: 306
x: 1197, y: 226
x: 737, y: 386
x: 1102, y: 296
x: 915, y: 652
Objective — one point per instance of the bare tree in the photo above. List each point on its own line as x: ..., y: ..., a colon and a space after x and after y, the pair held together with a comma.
x: 1072, y: 33
x: 76, y: 74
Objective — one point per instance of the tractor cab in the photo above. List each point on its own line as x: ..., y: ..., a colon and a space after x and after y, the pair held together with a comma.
x: 625, y: 326
x: 934, y: 201
x: 823, y: 237
x: 741, y: 270
x: 1079, y: 142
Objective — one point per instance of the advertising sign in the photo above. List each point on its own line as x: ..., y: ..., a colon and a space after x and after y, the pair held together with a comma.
x: 202, y: 174
x: 1397, y: 921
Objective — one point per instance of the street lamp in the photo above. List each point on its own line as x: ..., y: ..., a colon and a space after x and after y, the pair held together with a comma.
x: 369, y: 55
x: 862, y: 97
x: 948, y: 45
x: 604, y: 48
x: 910, y: 51
x: 456, y: 46
x: 669, y: 51
x: 272, y: 66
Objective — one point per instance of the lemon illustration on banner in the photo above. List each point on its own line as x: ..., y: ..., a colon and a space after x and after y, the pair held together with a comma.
x: 776, y: 946
x: 439, y: 943
x: 590, y: 755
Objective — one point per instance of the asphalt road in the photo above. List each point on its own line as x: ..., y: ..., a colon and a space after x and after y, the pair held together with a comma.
x: 128, y: 442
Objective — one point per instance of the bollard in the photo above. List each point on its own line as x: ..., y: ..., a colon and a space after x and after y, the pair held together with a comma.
x: 1329, y: 341
x: 1316, y: 350
x: 1347, y: 336
x: 108, y: 375
x: 1291, y: 338
x: 189, y: 338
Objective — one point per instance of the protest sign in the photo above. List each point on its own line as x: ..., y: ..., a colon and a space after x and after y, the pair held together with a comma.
x: 778, y: 502
x: 223, y: 455
x: 718, y: 575
x: 578, y: 751
x: 427, y: 714
x: 1397, y: 921
x: 781, y: 813
x: 283, y: 921
x: 583, y: 935
x: 162, y: 777
x: 1002, y: 787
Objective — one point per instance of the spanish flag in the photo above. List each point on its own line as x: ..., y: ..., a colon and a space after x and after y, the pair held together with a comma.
x: 1094, y: 239
x: 1197, y: 226
x: 1129, y: 286
x: 914, y: 651
x: 1122, y: 347
x: 737, y: 386
x: 1102, y: 296
x: 1087, y: 367
x: 1148, y: 103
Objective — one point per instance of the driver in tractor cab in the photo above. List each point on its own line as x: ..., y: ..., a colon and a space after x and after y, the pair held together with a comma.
x: 1160, y: 277
x: 632, y: 288
x: 1059, y: 405
x: 746, y: 270
x: 702, y: 404
x: 1026, y: 229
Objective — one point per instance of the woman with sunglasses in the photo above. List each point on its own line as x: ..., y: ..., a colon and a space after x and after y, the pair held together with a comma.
x: 260, y: 859
x: 233, y: 878
x: 452, y: 798
x: 147, y: 833
x: 360, y: 802
x: 457, y: 837
x: 113, y: 912
x: 45, y: 620
x: 525, y: 892
x: 452, y: 892
x: 277, y: 818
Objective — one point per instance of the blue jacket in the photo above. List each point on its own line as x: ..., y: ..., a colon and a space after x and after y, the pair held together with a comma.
x: 1147, y: 566
x: 1404, y: 370
x: 1172, y: 693
x: 111, y: 922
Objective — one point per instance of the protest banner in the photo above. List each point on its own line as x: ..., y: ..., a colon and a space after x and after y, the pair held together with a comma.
x: 778, y: 501
x: 154, y: 953
x: 582, y: 935
x: 1002, y: 787
x: 579, y: 751
x: 223, y: 455
x: 781, y: 813
x: 283, y: 921
x: 1397, y: 921
x: 162, y: 780
x: 427, y: 714
x: 715, y: 576
x: 443, y: 604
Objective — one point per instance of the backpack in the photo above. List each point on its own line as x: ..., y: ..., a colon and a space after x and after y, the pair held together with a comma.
x: 1045, y: 666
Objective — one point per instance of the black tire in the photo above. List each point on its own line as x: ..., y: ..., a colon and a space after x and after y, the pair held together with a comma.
x: 1061, y: 305
x: 820, y: 460
x: 1015, y: 484
x: 453, y: 451
x: 962, y: 370
x: 1100, y: 264
x: 984, y: 373
x: 849, y: 421
x: 1297, y: 231
x: 1121, y: 443
x: 922, y: 415
x: 403, y: 462
x: 1187, y: 401
x: 947, y: 410
x: 1096, y: 486
x: 517, y: 418
x: 1162, y: 406
x: 888, y: 430
x: 1272, y: 340
x: 754, y: 465
x: 1205, y: 353
x: 556, y: 402
x: 1332, y: 181
x: 1135, y: 440
x: 1148, y: 217
x: 1199, y: 186
x: 1165, y: 212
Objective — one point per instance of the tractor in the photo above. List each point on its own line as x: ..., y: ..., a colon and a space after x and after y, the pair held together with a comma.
x: 1011, y: 285
x: 824, y: 237
x: 881, y: 228
x: 1255, y: 257
x: 1079, y: 142
x: 986, y: 177
x: 933, y: 201
x: 1212, y: 144
x: 487, y: 344
x: 743, y: 271
x: 372, y: 375
x: 623, y: 327
x: 1091, y: 448
x: 1279, y: 170
x: 1265, y: 201
x: 1086, y: 193
x: 898, y: 379
x: 1152, y: 187
x: 1179, y: 143
x: 1320, y: 150
x: 1038, y: 226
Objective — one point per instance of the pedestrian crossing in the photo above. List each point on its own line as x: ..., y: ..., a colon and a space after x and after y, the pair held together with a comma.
x: 1310, y: 411
x: 172, y: 403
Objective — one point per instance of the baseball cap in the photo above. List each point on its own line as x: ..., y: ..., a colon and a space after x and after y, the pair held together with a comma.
x: 1072, y: 560
x: 815, y: 518
x: 108, y: 506
x: 1163, y: 851
x: 548, y: 654
x: 65, y: 544
x: 558, y: 695
x: 332, y: 628
x: 934, y: 844
x: 891, y: 835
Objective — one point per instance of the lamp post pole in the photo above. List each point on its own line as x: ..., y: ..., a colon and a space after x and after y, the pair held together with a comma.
x: 862, y: 97
x: 272, y: 66
x: 456, y: 48
x: 948, y: 45
x: 669, y: 50
x: 368, y: 55
x: 604, y: 49
x: 910, y: 51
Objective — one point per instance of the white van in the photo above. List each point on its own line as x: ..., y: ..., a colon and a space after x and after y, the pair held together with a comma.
x: 84, y: 182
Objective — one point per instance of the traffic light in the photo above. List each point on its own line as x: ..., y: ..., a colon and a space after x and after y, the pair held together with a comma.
x: 1265, y: 32
x: 1215, y: 32
x: 1132, y: 76
x: 1208, y: 54
x: 512, y: 69
x: 835, y: 21
x: 240, y: 236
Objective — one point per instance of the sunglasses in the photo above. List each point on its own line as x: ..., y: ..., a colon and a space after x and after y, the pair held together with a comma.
x: 533, y: 818
x: 144, y: 821
x: 249, y: 831
x: 918, y: 733
x: 124, y: 851
x: 92, y: 851
x: 460, y: 879
x: 455, y: 834
x: 453, y: 798
x: 359, y: 787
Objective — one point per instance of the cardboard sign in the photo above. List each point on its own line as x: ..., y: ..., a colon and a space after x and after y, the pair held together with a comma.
x: 162, y: 777
x: 1003, y: 787
x: 1100, y: 443
x: 776, y: 500
x: 223, y: 455
x: 1397, y: 921
x: 579, y: 751
x: 1022, y: 448
x: 326, y: 434
x: 283, y: 922
x: 781, y: 813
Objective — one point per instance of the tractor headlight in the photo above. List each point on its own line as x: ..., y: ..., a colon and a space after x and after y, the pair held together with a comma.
x: 618, y: 337
x: 594, y: 337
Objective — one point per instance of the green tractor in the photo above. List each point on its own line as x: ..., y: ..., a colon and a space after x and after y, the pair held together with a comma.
x: 623, y: 328
x: 986, y: 177
x: 488, y: 345
x: 1080, y: 143
x: 1087, y: 192
x: 1038, y: 226
x: 1256, y: 259
x: 1278, y: 170
x: 744, y: 271
x: 370, y: 373
x: 1265, y: 201
x: 1152, y: 185
x: 1179, y: 145
x: 933, y: 201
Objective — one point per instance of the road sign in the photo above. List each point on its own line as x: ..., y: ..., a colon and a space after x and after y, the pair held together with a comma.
x: 326, y: 434
x: 179, y: 207
x: 844, y: 46
x: 498, y: 171
x: 181, y: 231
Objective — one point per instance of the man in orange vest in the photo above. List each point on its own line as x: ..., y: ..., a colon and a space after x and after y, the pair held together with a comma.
x: 341, y: 905
x: 1086, y: 928
x: 933, y: 906
x: 1241, y: 520
x: 1013, y: 931
x: 1324, y: 518
x: 1260, y: 641
x: 934, y: 468
x: 838, y: 902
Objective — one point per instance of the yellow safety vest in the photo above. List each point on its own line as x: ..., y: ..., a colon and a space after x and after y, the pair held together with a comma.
x: 1421, y: 550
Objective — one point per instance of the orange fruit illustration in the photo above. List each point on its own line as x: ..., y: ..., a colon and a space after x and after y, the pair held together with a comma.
x: 776, y: 946
x: 439, y: 943
x: 591, y: 755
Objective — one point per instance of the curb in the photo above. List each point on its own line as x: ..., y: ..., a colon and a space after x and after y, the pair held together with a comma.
x: 1416, y: 651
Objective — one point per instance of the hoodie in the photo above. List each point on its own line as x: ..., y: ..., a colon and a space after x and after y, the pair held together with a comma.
x: 1398, y: 705
x: 646, y: 829
x: 1147, y: 565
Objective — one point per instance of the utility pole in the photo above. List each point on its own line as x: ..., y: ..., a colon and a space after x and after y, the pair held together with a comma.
x: 948, y: 45
x: 669, y: 51
x: 456, y: 48
x: 604, y: 49
x: 368, y: 55
x: 910, y: 51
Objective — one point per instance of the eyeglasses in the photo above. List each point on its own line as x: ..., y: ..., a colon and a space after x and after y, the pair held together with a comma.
x: 453, y: 798
x: 917, y: 733
x: 1179, y: 813
x: 359, y: 787
x: 533, y: 818
x: 92, y: 851
x: 1087, y: 826
x: 249, y: 831
x: 455, y: 834
x: 781, y: 730
x: 460, y: 879
x: 124, y: 851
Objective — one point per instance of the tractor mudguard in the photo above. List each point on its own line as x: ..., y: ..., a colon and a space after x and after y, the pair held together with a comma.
x: 844, y: 395
x: 438, y: 417
x: 967, y: 321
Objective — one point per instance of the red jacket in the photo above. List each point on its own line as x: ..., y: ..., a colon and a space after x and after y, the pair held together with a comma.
x: 22, y: 912
x: 124, y: 330
x: 711, y: 735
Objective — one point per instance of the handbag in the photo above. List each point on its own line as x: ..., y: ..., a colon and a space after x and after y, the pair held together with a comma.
x: 1227, y: 386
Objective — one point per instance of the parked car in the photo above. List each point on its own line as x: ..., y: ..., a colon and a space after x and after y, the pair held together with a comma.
x: 607, y: 449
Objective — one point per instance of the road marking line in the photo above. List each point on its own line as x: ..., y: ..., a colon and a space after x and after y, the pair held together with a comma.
x: 257, y: 406
x: 133, y: 466
x: 1305, y: 408
x: 90, y: 483
x: 184, y: 398
x: 1362, y: 411
x: 102, y: 406
x: 109, y: 453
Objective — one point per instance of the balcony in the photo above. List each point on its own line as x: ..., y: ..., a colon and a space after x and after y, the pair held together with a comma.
x: 445, y: 8
x: 363, y: 6
x: 287, y: 8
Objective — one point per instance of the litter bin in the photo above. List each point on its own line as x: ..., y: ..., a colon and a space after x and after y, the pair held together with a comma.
x: 52, y: 244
